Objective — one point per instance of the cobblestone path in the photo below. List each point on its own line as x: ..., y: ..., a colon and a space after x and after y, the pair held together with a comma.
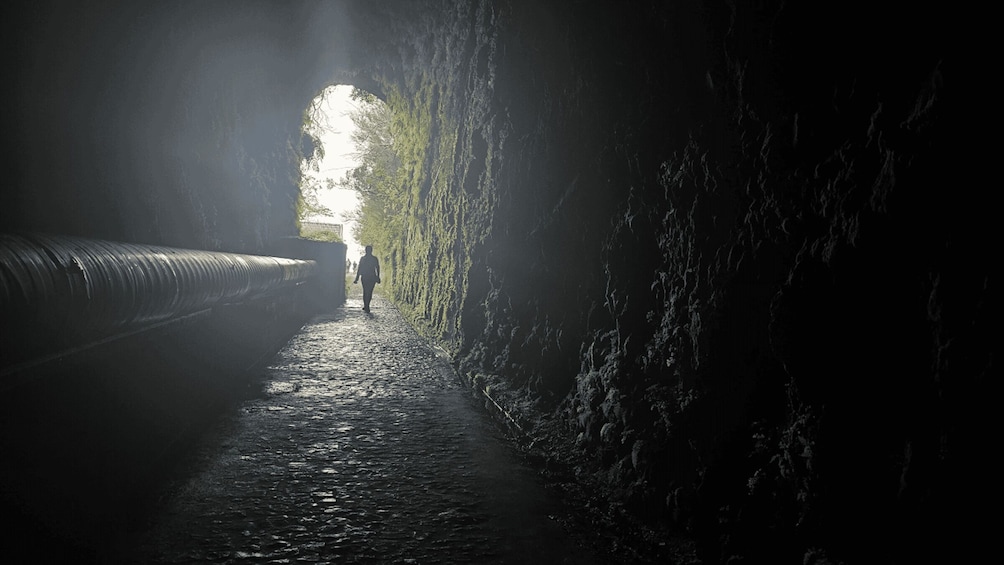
x: 364, y: 448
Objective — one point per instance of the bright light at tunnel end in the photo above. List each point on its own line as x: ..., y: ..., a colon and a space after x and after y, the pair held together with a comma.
x: 336, y: 128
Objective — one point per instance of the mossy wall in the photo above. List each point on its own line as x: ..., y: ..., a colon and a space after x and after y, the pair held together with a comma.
x: 705, y: 253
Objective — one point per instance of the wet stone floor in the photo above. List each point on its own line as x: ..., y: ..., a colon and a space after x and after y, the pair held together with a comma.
x: 362, y: 448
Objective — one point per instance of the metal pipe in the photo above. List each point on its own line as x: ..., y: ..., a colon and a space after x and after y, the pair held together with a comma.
x: 58, y: 290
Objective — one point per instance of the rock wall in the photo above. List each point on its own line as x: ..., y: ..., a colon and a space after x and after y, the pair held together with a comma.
x: 728, y: 264
x: 727, y: 261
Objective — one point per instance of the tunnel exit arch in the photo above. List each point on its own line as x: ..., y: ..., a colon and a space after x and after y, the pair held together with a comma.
x: 329, y: 125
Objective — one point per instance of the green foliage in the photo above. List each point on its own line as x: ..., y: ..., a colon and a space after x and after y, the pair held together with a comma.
x: 307, y: 203
x: 311, y: 148
x: 386, y: 155
x: 363, y: 96
x: 311, y: 152
x: 423, y: 204
x: 323, y: 235
x: 406, y: 152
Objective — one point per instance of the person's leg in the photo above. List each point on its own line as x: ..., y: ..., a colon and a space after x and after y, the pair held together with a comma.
x: 367, y: 295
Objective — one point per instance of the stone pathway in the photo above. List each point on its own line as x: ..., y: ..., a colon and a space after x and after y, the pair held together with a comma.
x: 363, y: 448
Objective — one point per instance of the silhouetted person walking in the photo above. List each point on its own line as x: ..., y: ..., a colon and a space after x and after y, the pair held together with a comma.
x: 369, y: 271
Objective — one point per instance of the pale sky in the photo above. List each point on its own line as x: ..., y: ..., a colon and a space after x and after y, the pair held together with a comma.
x: 338, y: 158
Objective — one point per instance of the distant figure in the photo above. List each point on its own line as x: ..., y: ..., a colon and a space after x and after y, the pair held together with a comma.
x: 369, y: 271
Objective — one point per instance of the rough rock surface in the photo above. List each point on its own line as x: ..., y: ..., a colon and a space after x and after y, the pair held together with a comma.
x: 728, y: 263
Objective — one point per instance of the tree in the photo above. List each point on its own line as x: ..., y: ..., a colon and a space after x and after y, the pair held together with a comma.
x: 308, y: 204
x: 378, y: 178
x: 312, y: 152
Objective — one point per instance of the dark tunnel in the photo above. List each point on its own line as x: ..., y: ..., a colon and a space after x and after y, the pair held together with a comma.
x: 725, y: 266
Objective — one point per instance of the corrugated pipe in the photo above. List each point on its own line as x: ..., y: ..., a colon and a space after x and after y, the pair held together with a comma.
x: 56, y: 291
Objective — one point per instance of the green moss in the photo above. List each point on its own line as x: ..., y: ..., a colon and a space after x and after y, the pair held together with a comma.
x: 413, y: 216
x: 323, y: 235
